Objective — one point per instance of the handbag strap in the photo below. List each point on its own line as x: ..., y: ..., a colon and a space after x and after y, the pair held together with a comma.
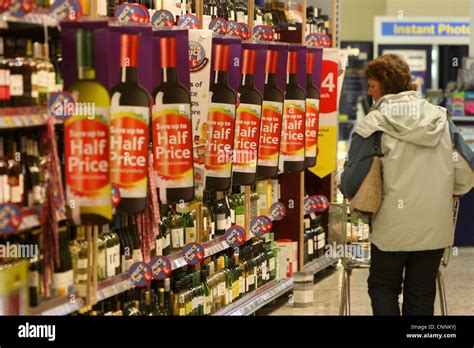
x: 377, y: 149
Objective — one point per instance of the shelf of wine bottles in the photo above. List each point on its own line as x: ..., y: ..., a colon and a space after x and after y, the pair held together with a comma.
x: 257, y: 299
x: 319, y: 264
x: 22, y: 117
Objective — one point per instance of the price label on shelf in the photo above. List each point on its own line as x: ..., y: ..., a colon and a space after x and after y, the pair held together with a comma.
x: 11, y: 217
x: 235, y: 236
x: 193, y: 253
x: 68, y: 10
x: 161, y: 267
x: 140, y: 274
x: 162, y: 19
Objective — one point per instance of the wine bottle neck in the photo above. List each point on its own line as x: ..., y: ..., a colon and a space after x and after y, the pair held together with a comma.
x: 248, y: 80
x: 292, y: 79
x: 129, y: 75
x: 170, y: 75
x: 271, y: 79
x: 220, y: 78
x: 85, y: 73
x: 309, y: 79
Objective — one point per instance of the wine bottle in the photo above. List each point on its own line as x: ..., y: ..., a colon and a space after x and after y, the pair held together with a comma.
x: 42, y: 74
x: 221, y: 122
x: 177, y: 233
x: 63, y: 277
x: 4, y: 186
x: 172, y: 130
x: 4, y: 77
x: 272, y: 110
x: 129, y: 131
x: 20, y: 74
x: 221, y: 214
x: 34, y: 73
x: 15, y: 174
x: 135, y: 238
x: 34, y: 274
x: 35, y: 172
x: 102, y: 255
x: 86, y: 139
x: 247, y: 124
x: 312, y: 114
x: 189, y: 220
x: 292, y: 152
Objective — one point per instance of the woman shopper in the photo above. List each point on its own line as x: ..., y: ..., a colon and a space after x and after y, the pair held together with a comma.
x: 425, y: 164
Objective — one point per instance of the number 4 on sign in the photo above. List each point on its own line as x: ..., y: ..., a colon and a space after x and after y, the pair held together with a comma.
x: 329, y: 82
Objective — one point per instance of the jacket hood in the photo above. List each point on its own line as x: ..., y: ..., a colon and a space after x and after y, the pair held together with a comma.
x: 407, y: 117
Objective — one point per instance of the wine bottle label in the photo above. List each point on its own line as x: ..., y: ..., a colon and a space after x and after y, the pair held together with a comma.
x: 235, y: 289
x: 220, y: 145
x: 229, y: 296
x: 264, y: 271
x: 310, y: 248
x: 173, y: 146
x: 207, y: 305
x: 129, y: 149
x: 270, y: 132
x: 15, y: 194
x: 240, y: 220
x: 242, y: 285
x: 126, y: 263
x: 16, y: 85
x: 117, y: 255
x: 36, y: 192
x: 159, y: 246
x: 62, y: 283
x: 82, y: 264
x: 213, y: 228
x: 110, y: 255
x: 204, y: 223
x: 166, y: 241
x: 137, y: 255
x: 4, y: 77
x: 247, y: 133
x: 293, y: 131
x: 177, y: 236
x: 190, y: 234
x: 188, y: 308
x: 33, y: 279
x: 221, y: 290
x: 232, y: 216
x: 51, y: 83
x: 182, y: 311
x: 311, y: 133
x: 221, y: 222
x: 87, y: 162
x: 102, y: 264
x: 5, y: 188
x: 271, y: 264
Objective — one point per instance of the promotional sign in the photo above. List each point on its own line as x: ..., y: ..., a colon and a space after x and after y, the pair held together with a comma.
x: 161, y: 267
x: 200, y: 50
x: 188, y: 21
x: 259, y: 226
x: 162, y: 19
x: 235, y: 236
x: 244, y: 31
x: 140, y: 274
x: 61, y: 105
x: 219, y: 27
x: 277, y: 211
x: 115, y: 196
x: 131, y: 13
x: 193, y: 253
x: 69, y: 10
x: 334, y: 66
x: 20, y: 8
x: 10, y: 218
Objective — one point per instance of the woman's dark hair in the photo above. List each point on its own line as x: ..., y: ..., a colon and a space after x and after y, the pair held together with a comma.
x: 392, y: 72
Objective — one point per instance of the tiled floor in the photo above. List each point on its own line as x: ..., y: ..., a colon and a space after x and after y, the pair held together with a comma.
x: 459, y: 283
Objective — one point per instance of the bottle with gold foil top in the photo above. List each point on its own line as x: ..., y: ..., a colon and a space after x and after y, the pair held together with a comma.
x: 87, y: 141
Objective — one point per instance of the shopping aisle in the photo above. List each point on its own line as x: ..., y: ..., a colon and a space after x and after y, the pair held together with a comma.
x: 458, y: 282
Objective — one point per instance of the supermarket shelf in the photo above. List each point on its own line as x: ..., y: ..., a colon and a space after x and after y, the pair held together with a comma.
x: 22, y: 117
x: 210, y: 248
x: 319, y: 264
x: 252, y: 302
x: 59, y: 306
x: 113, y: 286
x: 463, y: 118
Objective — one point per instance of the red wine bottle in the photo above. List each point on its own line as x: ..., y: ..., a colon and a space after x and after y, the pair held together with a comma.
x: 292, y: 156
x: 221, y: 123
x: 270, y: 129
x: 312, y: 114
x: 247, y: 124
x: 172, y: 130
x: 129, y: 131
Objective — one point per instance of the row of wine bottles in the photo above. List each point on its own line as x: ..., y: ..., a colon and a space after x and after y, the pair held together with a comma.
x: 22, y: 174
x: 27, y: 73
x: 200, y: 290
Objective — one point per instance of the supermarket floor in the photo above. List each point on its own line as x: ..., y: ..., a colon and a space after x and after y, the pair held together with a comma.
x: 459, y: 283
